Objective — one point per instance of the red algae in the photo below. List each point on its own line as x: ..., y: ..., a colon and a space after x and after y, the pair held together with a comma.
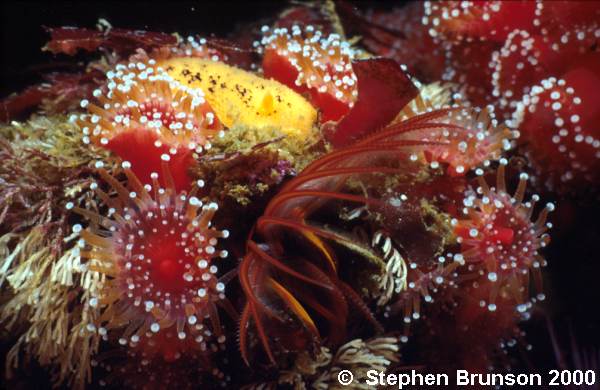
x: 383, y: 90
x: 397, y: 33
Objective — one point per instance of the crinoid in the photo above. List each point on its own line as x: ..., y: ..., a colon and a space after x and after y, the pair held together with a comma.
x: 307, y: 281
x: 498, y: 235
x: 294, y: 267
x: 155, y: 250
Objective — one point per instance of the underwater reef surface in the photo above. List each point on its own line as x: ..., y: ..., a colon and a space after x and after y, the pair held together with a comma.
x: 326, y: 186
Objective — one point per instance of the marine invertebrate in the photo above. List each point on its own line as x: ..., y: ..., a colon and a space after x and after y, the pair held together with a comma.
x: 320, y: 371
x: 464, y: 138
x: 477, y: 338
x: 478, y: 19
x: 309, y: 62
x: 243, y: 98
x: 272, y: 278
x: 360, y: 196
x: 423, y: 283
x: 157, y: 253
x: 497, y: 235
x: 162, y: 361
x: 558, y: 121
x: 393, y: 279
x: 144, y: 115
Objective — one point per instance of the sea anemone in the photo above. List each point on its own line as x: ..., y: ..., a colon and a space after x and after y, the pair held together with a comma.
x: 145, y: 115
x: 477, y: 19
x: 309, y: 62
x: 160, y: 362
x: 157, y: 253
x: 367, y: 227
x: 499, y: 238
x: 559, y: 118
x: 462, y: 137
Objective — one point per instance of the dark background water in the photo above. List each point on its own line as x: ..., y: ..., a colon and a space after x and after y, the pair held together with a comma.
x: 22, y: 34
x: 573, y: 274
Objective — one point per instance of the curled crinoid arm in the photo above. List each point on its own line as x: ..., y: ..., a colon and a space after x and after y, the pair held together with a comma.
x: 157, y: 253
x: 498, y: 237
x: 393, y: 279
x: 269, y: 274
x: 143, y: 115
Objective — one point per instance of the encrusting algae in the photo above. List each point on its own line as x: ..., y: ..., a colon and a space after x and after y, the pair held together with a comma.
x: 273, y: 155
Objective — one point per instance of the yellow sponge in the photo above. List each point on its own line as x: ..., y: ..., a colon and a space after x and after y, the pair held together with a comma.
x: 239, y: 97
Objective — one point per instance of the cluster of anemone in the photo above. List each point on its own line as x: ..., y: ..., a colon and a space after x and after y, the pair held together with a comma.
x: 393, y: 225
x: 152, y: 244
x: 537, y: 63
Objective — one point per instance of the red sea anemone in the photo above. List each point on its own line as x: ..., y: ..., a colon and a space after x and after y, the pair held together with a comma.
x: 157, y: 255
x: 460, y: 136
x: 497, y: 236
x: 163, y: 361
x: 309, y: 62
x: 144, y: 115
x: 559, y: 122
